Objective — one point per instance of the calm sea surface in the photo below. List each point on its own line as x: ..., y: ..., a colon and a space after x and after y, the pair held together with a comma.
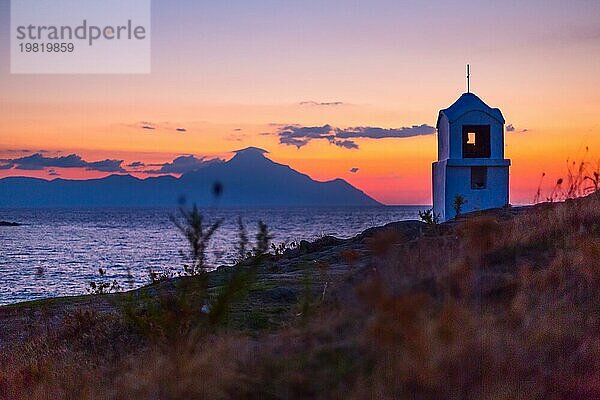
x: 59, y: 251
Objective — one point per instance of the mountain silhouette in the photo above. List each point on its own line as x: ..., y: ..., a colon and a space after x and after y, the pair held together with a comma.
x: 247, y: 179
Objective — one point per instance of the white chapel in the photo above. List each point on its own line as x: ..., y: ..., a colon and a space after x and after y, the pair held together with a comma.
x: 471, y: 162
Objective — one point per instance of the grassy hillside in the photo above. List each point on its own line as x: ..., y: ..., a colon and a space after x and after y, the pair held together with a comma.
x: 504, y: 304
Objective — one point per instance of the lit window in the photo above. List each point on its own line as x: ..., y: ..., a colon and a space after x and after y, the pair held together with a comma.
x: 476, y: 141
x: 471, y: 138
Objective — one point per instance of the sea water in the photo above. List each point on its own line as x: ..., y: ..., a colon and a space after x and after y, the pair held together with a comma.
x: 58, y: 252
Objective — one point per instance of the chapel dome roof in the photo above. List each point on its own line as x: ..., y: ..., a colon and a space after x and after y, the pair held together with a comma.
x: 469, y: 102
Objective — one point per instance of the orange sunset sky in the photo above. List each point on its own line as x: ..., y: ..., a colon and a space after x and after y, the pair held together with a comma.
x: 234, y: 74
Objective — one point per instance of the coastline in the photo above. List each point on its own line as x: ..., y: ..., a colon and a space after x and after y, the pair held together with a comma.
x: 279, y: 280
x: 323, y: 319
x: 279, y: 277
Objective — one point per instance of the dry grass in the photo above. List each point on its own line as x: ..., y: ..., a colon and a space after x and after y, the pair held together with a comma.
x: 489, y: 308
x: 581, y: 179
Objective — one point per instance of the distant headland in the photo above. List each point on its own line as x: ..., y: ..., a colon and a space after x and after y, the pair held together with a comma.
x: 248, y: 179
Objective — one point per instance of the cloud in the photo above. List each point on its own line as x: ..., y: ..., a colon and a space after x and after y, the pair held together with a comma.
x: 354, y: 170
x: 382, y: 133
x: 105, y: 166
x: 23, y: 151
x: 52, y: 172
x: 299, y: 136
x: 38, y: 162
x: 311, y: 132
x: 183, y: 164
x: 6, y: 166
x: 512, y: 128
x: 136, y: 164
x: 160, y: 126
x: 295, y: 135
x: 321, y: 104
x: 346, y: 144
x: 293, y: 141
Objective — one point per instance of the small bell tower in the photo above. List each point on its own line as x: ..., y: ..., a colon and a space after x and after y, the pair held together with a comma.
x: 471, y: 163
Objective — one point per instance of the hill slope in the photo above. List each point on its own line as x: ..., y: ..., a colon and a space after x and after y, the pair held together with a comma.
x: 491, y: 304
